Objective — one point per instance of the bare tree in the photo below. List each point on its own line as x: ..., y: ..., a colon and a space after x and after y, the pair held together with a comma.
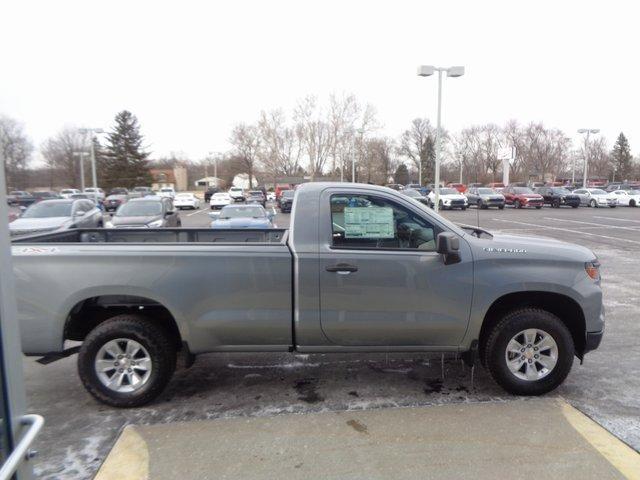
x: 343, y: 113
x: 246, y: 142
x: 315, y: 132
x: 16, y: 151
x: 58, y: 152
x: 418, y: 145
x: 282, y: 145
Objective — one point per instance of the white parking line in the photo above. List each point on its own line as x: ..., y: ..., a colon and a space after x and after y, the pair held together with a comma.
x: 195, y: 213
x: 618, y: 219
x: 601, y: 225
x: 579, y: 232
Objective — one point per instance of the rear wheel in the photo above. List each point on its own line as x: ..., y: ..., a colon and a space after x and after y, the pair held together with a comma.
x: 126, y: 361
x: 593, y: 204
x: 501, y: 207
x: 632, y: 203
x: 529, y: 352
x: 517, y: 204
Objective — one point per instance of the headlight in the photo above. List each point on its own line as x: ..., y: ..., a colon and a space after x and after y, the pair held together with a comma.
x: 155, y: 224
x: 593, y: 269
x: 108, y: 224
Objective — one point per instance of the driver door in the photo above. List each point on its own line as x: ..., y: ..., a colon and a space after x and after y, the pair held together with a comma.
x: 382, y: 282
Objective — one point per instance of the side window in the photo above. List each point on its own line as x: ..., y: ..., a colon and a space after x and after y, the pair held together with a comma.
x: 366, y: 221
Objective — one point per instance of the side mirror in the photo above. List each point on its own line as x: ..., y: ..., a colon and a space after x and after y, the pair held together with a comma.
x: 448, y: 244
x: 80, y: 213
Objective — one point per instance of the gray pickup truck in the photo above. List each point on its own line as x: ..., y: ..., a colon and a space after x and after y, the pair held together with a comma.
x: 362, y: 269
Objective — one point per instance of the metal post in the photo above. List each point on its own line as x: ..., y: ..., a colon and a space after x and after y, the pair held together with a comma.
x: 353, y: 161
x: 94, y: 176
x: 82, y: 171
x: 460, y: 171
x: 420, y: 170
x: 437, y: 173
x: 586, y: 159
x: 573, y: 171
x: 215, y: 169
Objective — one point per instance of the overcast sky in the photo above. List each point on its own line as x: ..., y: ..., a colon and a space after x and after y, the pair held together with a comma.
x: 190, y: 70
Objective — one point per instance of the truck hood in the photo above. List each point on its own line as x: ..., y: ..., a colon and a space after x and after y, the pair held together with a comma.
x: 242, y: 223
x: 535, y: 248
x: 39, y: 223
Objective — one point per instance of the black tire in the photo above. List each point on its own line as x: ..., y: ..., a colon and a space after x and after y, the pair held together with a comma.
x: 511, y: 324
x: 612, y: 206
x: 152, y: 337
x: 593, y: 204
x: 632, y: 203
x: 556, y: 204
x: 517, y: 204
x: 500, y: 207
x: 479, y: 204
x: 575, y: 206
x: 539, y: 207
x: 463, y: 208
x: 179, y: 225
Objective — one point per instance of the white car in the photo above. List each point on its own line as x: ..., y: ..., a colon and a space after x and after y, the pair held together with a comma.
x: 67, y: 192
x: 271, y: 196
x: 449, y: 198
x: 237, y: 194
x: 186, y: 200
x: 92, y: 192
x: 596, y: 197
x: 630, y: 198
x: 167, y: 192
x: 219, y: 200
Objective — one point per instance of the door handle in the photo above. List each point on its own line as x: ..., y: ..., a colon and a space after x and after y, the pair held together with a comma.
x: 21, y: 452
x: 342, y: 268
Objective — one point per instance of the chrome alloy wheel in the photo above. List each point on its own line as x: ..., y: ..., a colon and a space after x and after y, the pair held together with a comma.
x: 123, y: 365
x: 531, y: 354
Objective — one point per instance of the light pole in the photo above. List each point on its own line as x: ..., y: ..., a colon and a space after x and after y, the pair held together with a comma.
x: 588, y: 132
x: 426, y: 71
x: 94, y: 177
x: 81, y: 155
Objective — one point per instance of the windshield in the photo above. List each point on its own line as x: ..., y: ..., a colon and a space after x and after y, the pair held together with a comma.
x: 166, y: 190
x: 48, y: 210
x: 412, y: 193
x: 522, y: 190
x: 486, y: 191
x: 560, y: 191
x: 140, y: 209
x: 67, y: 191
x: 241, y: 212
x: 449, y: 191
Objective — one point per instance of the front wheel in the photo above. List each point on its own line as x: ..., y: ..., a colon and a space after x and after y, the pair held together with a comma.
x: 126, y: 361
x: 517, y: 204
x: 529, y: 352
x: 539, y: 207
x: 612, y: 206
x: 500, y: 207
x: 593, y: 204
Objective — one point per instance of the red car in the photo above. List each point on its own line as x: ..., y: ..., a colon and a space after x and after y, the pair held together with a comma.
x: 461, y: 187
x: 521, y: 197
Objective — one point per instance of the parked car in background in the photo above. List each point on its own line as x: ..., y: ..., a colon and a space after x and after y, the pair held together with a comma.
x: 143, y: 191
x: 242, y: 216
x: 596, y: 197
x: 474, y: 185
x: 59, y: 214
x: 186, y: 200
x: 209, y: 192
x: 629, y: 198
x: 450, y: 198
x: 256, y: 196
x: 497, y: 186
x: 558, y: 197
x: 167, y: 192
x: 83, y: 196
x: 521, y: 197
x: 279, y: 189
x: 95, y: 192
x: 286, y: 201
x: 219, y: 200
x: 46, y: 195
x: 614, y: 186
x: 461, y: 187
x: 118, y: 191
x: 237, y: 194
x: 416, y: 195
x: 113, y: 202
x: 21, y: 198
x: 67, y: 192
x: 150, y: 212
x: 395, y: 186
x: 271, y: 196
x: 484, y: 197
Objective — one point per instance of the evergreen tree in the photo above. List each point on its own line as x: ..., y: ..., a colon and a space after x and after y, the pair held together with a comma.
x: 428, y: 157
x: 125, y: 161
x: 402, y: 174
x: 621, y: 158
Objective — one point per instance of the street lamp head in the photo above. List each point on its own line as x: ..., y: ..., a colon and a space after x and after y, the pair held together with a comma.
x: 582, y: 130
x: 426, y: 70
x: 595, y: 130
x: 589, y: 130
x: 455, y: 71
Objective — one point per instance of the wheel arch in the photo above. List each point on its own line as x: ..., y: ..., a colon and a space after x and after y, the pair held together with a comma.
x: 93, y: 310
x: 563, y: 306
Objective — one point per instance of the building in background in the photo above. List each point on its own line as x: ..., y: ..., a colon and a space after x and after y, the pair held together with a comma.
x: 175, y: 178
x: 208, y: 182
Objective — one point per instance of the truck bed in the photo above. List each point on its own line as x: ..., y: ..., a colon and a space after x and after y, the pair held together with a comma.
x: 159, y: 235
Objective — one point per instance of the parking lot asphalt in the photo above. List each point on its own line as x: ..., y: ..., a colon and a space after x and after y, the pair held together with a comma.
x: 79, y: 431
